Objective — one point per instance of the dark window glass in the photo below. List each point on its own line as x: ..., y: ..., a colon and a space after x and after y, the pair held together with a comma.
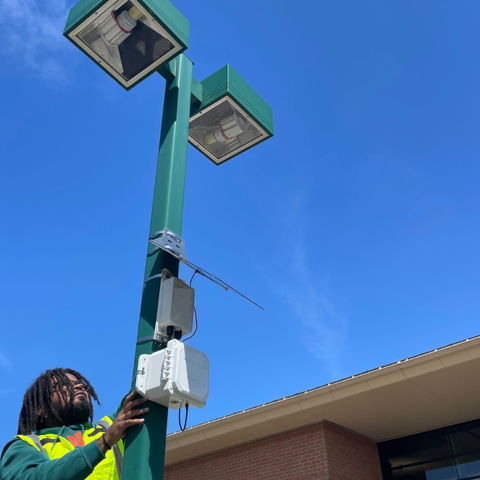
x: 468, y: 465
x: 418, y: 450
x: 442, y: 470
x: 451, y: 453
x: 465, y: 441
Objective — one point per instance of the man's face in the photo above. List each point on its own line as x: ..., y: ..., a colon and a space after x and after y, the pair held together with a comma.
x: 77, y: 409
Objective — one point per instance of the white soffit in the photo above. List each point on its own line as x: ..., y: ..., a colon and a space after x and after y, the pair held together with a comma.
x: 429, y: 391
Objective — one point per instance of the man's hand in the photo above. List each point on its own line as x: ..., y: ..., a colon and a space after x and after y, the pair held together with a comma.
x: 124, y: 419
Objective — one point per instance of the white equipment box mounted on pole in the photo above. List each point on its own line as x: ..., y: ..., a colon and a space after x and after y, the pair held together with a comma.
x: 175, y: 376
x: 175, y: 306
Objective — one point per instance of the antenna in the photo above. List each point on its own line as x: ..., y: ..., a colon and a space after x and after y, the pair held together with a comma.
x: 175, y: 246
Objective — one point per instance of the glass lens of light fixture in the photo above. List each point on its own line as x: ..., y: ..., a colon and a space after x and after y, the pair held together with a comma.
x: 126, y: 39
x: 223, y: 129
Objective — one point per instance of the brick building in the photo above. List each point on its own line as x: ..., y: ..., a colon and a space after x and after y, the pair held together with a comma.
x: 415, y: 419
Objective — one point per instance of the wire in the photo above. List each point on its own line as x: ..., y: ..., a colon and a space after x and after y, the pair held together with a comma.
x: 180, y: 420
x: 196, y: 326
x: 194, y: 310
x: 135, y: 374
x: 194, y: 273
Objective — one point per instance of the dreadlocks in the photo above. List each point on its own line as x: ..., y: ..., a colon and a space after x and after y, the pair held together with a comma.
x: 37, y: 402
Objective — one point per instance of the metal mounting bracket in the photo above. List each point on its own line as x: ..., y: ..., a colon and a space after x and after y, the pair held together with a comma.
x: 175, y: 246
x: 156, y: 338
x: 170, y: 242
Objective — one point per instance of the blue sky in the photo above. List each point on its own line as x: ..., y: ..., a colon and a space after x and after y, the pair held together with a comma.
x: 355, y: 227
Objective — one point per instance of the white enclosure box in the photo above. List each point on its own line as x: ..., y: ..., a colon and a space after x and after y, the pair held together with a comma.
x: 177, y: 375
x: 175, y: 305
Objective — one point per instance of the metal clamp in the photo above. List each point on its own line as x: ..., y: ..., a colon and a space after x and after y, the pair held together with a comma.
x: 170, y: 242
x: 145, y: 339
x: 156, y: 338
x: 153, y: 277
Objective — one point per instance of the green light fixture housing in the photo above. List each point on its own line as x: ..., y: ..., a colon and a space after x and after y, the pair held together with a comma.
x: 129, y: 39
x: 230, y: 118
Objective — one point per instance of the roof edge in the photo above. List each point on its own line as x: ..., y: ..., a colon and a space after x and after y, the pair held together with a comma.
x: 271, y: 418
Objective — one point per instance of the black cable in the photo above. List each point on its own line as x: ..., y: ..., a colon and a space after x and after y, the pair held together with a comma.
x: 194, y: 310
x: 196, y: 326
x: 177, y: 335
x: 170, y: 332
x: 186, y: 418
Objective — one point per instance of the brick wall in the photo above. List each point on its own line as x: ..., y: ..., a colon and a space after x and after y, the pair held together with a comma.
x: 351, y: 456
x: 317, y: 452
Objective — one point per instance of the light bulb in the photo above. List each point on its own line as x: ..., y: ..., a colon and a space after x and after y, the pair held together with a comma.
x: 116, y: 28
x: 230, y: 128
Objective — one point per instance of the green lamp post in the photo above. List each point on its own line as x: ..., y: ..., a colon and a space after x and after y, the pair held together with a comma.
x: 221, y: 116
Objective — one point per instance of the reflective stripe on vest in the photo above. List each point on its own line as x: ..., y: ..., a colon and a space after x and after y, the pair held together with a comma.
x: 56, y: 447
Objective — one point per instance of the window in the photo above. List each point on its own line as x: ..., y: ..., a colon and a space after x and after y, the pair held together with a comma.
x: 451, y: 453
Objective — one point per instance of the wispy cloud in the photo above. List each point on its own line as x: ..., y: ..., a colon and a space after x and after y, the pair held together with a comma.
x: 31, y: 34
x: 307, y: 292
x: 5, y: 362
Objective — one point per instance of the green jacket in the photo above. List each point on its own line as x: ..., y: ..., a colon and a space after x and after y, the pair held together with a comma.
x: 21, y: 461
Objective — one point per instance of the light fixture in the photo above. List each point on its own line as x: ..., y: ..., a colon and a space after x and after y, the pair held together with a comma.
x: 227, y: 131
x: 230, y: 119
x: 129, y: 39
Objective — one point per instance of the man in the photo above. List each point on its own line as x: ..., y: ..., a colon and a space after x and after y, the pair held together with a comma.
x: 58, y: 408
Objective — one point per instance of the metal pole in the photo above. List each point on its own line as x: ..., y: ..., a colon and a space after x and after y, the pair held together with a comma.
x: 145, y: 445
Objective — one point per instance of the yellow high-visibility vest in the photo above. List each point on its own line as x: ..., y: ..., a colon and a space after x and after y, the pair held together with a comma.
x: 56, y: 447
